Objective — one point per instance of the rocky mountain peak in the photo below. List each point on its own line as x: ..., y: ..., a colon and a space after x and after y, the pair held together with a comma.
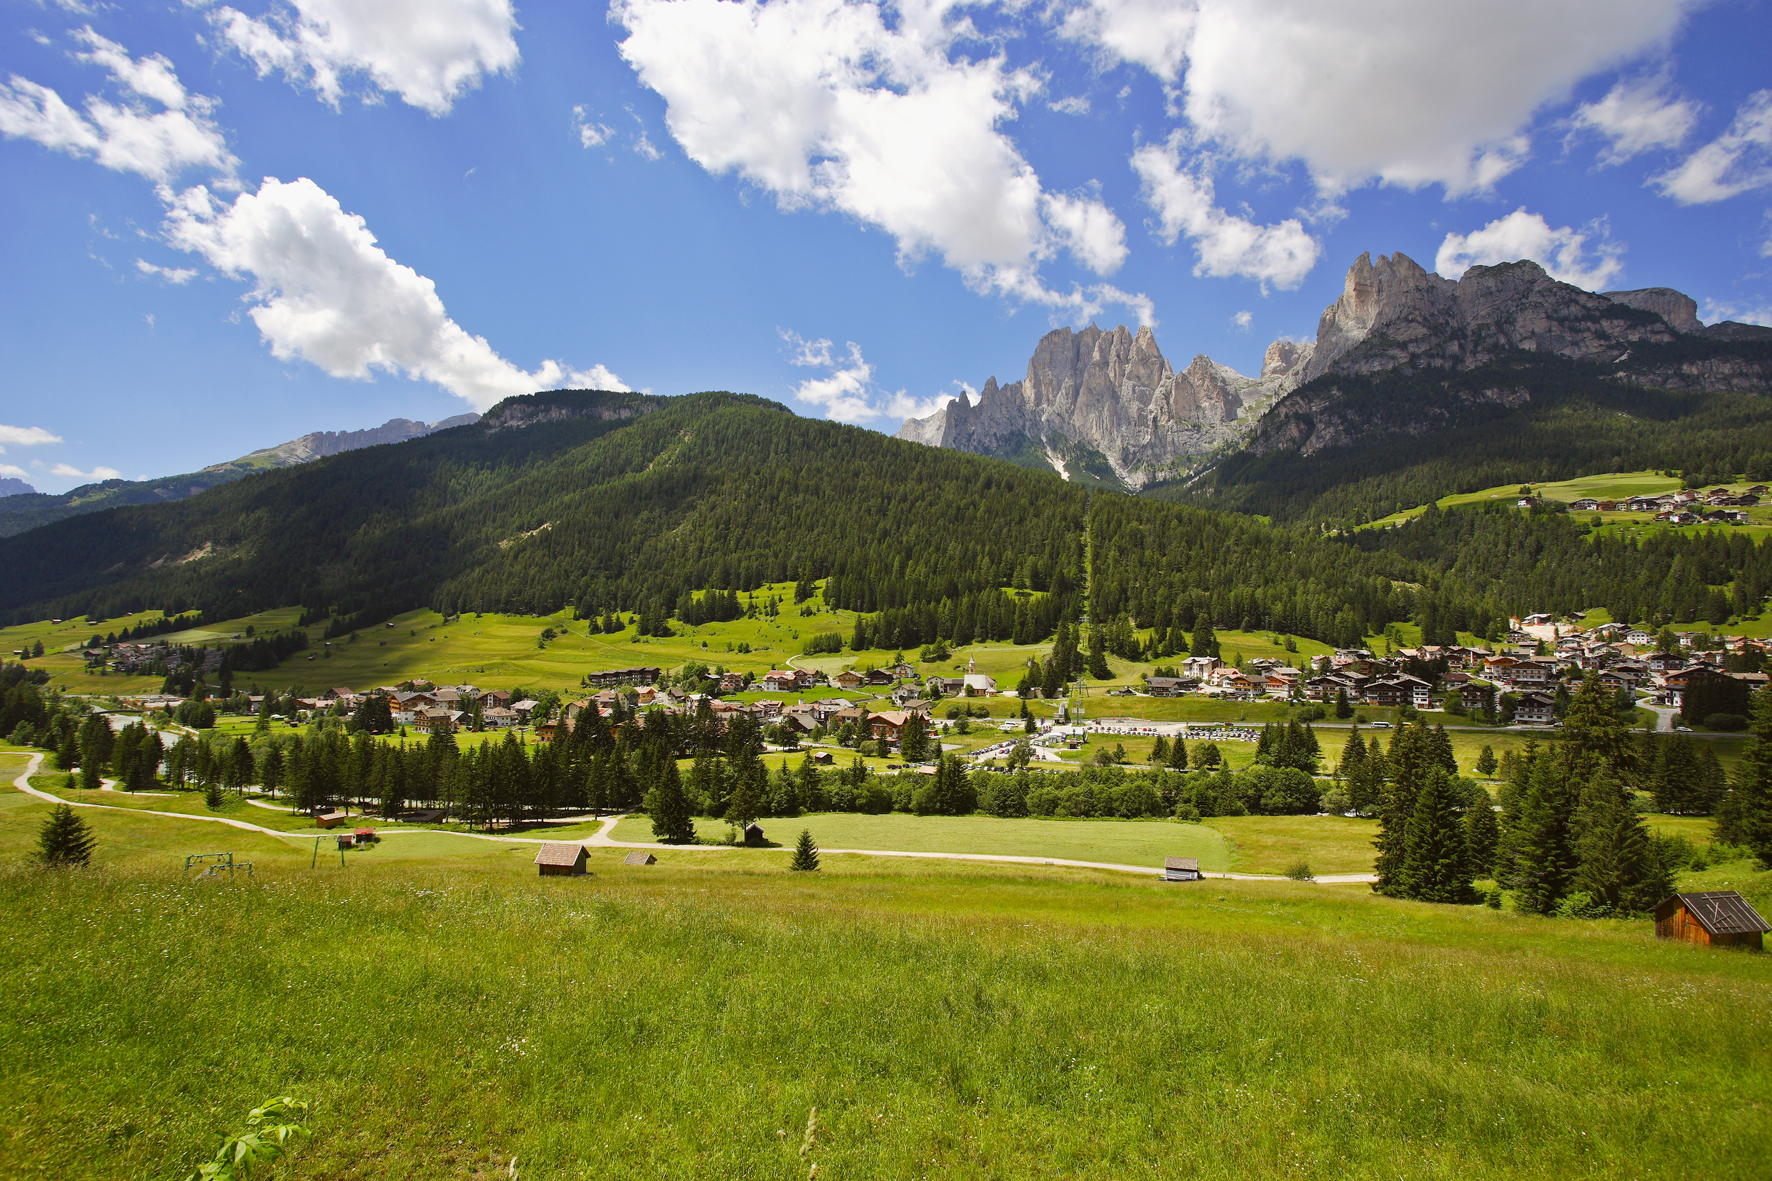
x: 1676, y: 307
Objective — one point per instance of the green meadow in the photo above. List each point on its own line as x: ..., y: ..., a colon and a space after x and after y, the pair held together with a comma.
x: 447, y: 1013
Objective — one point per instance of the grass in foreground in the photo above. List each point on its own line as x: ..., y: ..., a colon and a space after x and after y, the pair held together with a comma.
x: 953, y: 1020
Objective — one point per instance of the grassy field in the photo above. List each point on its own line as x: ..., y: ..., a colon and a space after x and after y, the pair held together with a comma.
x: 447, y: 1011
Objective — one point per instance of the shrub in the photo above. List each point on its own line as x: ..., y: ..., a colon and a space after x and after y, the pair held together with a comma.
x: 1582, y: 905
x: 1300, y: 871
x: 1730, y: 722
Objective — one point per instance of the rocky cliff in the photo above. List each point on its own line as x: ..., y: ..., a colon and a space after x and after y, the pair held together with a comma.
x: 322, y: 443
x: 1113, y: 395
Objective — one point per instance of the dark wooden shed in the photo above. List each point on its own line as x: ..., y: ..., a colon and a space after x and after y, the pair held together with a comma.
x: 1181, y: 869
x: 753, y: 834
x: 1715, y: 918
x: 561, y: 858
x: 639, y: 857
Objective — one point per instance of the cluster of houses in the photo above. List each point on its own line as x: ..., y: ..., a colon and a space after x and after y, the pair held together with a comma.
x: 1687, y: 507
x: 1477, y: 676
x: 159, y: 659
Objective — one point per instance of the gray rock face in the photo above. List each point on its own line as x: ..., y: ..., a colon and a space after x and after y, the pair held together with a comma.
x: 1676, y: 307
x: 322, y: 443
x: 1112, y: 392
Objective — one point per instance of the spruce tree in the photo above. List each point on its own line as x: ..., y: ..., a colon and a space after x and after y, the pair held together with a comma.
x: 668, y: 806
x: 1482, y: 833
x: 213, y: 795
x: 1745, y: 814
x: 1618, y: 864
x: 1178, y: 754
x: 1436, y: 859
x: 1405, y: 766
x: 914, y: 743
x: 1544, y: 858
x: 1486, y: 763
x: 805, y: 853
x: 1159, y: 752
x: 1342, y: 709
x: 64, y: 838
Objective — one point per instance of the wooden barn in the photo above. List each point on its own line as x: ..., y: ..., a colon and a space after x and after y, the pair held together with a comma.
x: 1715, y: 918
x: 639, y: 857
x: 561, y: 859
x: 1181, y: 869
x: 753, y: 834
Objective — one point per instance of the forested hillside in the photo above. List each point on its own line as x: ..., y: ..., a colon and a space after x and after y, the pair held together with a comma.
x: 1349, y: 449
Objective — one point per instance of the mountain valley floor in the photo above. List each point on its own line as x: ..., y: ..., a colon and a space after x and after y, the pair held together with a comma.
x: 448, y: 1013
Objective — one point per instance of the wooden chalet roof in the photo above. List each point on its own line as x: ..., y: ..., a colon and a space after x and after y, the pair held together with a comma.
x: 639, y: 857
x: 1721, y: 912
x: 1190, y: 863
x: 560, y: 853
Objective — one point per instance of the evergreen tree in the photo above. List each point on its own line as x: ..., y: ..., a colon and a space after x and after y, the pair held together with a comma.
x: 707, y: 783
x: 64, y: 838
x: 1205, y: 642
x: 914, y: 744
x: 805, y: 853
x: 1436, y: 859
x: 668, y: 806
x: 1178, y: 754
x: 1405, y: 766
x: 1353, y: 753
x: 213, y: 795
x: 1543, y: 848
x: 1098, y: 665
x: 1343, y: 710
x: 1619, y: 867
x: 1159, y: 752
x: 1482, y: 833
x: 1486, y: 763
x: 1745, y: 815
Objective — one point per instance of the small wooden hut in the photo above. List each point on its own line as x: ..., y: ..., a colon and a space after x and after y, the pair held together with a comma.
x: 1715, y: 918
x: 561, y: 859
x: 330, y: 819
x: 639, y: 857
x: 753, y: 834
x: 1181, y: 869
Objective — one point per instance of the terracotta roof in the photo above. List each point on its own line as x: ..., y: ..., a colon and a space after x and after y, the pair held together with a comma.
x: 1721, y: 912
x: 559, y: 853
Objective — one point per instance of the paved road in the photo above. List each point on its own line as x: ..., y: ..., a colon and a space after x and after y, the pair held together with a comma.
x: 601, y: 838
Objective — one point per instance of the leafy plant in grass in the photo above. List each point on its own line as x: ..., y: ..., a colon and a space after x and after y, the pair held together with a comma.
x: 64, y: 839
x: 263, y: 1142
x: 1300, y: 871
x: 805, y: 853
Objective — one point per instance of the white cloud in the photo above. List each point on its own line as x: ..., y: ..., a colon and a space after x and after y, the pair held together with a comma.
x: 429, y: 52
x: 590, y: 132
x: 1738, y: 160
x: 326, y: 293
x: 25, y: 436
x: 127, y: 136
x: 1243, y: 320
x: 98, y: 473
x: 823, y: 105
x: 1638, y: 116
x: 597, y: 377
x: 847, y: 393
x: 1741, y: 313
x: 1281, y: 254
x: 1561, y: 252
x: 174, y: 275
x: 1077, y: 104
x: 1410, y: 94
x: 1150, y: 33
x: 17, y: 473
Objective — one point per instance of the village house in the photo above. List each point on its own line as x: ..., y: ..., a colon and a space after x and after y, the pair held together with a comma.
x: 781, y: 680
x: 1535, y: 709
x: 979, y: 685
x: 1163, y: 686
x: 850, y: 679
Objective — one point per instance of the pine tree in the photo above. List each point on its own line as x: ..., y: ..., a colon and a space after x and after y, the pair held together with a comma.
x: 1342, y: 709
x: 1486, y: 763
x: 1482, y: 833
x: 805, y: 853
x: 1159, y: 752
x: 213, y: 795
x: 1544, y: 858
x: 914, y: 745
x: 1618, y: 866
x: 1178, y: 754
x: 1436, y: 859
x: 64, y: 838
x: 668, y: 806
x: 1745, y: 814
x: 1405, y: 767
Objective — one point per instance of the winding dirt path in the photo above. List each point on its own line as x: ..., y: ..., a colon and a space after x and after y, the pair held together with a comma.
x: 602, y: 839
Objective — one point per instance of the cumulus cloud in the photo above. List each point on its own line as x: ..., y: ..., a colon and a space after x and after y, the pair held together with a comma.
x: 129, y: 136
x: 847, y: 392
x: 1563, y: 253
x: 174, y: 275
x: 429, y: 52
x: 1735, y: 162
x: 1243, y: 320
x: 598, y: 377
x: 1076, y: 104
x: 16, y: 472
x: 1638, y: 116
x: 324, y: 292
x: 1281, y: 254
x: 590, y: 132
x: 1741, y: 313
x: 25, y: 436
x: 824, y: 106
x: 98, y: 473
x: 1409, y: 94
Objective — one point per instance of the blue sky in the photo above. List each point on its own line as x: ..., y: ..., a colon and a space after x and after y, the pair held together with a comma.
x: 225, y: 225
